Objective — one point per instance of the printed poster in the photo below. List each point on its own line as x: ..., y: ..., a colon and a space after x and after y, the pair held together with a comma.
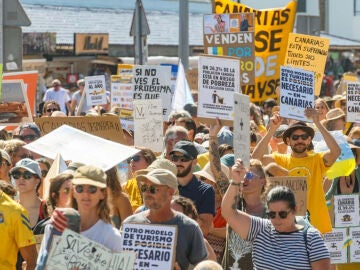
x: 121, y: 93
x: 153, y: 82
x: 296, y: 92
x: 95, y: 90
x: 242, y: 127
x: 353, y: 102
x: 354, y: 254
x: 346, y: 210
x: 147, y: 240
x: 336, y: 244
x: 218, y: 81
x: 148, y: 123
x: 309, y: 53
x: 232, y: 35
x: 272, y: 27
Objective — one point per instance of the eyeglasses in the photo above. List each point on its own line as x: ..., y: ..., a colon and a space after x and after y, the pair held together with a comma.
x: 250, y: 175
x: 151, y: 189
x: 134, y: 158
x: 282, y: 214
x: 90, y: 189
x: 27, y: 137
x: 67, y: 190
x: 26, y: 175
x: 302, y: 136
x: 52, y: 110
x: 176, y: 158
x: 44, y: 173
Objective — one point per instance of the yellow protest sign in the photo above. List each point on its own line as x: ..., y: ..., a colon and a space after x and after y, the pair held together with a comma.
x: 308, y: 53
x: 272, y: 27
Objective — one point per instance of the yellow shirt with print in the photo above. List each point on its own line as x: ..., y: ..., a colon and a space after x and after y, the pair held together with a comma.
x: 314, y: 169
x: 132, y: 189
x: 15, y: 231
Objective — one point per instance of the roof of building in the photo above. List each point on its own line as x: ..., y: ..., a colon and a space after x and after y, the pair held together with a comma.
x: 341, y: 43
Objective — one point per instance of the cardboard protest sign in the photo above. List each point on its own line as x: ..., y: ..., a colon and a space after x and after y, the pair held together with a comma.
x: 298, y: 185
x: 121, y: 93
x: 242, y: 128
x: 232, y: 35
x: 107, y: 127
x: 353, y: 102
x: 309, y: 53
x: 148, y: 123
x: 75, y: 251
x: 296, y: 92
x: 218, y: 81
x: 354, y: 254
x: 272, y: 27
x: 153, y: 82
x: 74, y: 144
x: 95, y: 88
x: 346, y: 210
x: 155, y: 245
x: 335, y: 242
x: 14, y: 104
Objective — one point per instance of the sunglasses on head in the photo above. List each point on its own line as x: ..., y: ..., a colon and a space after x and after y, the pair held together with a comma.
x: 176, y: 158
x: 302, y: 136
x: 44, y: 173
x: 134, y: 158
x: 151, y: 189
x: 52, y: 110
x: 81, y: 189
x: 282, y: 214
x: 27, y: 137
x: 18, y: 174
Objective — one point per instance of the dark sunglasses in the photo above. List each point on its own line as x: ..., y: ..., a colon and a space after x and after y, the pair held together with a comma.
x: 151, y: 189
x: 52, y: 110
x: 302, y: 136
x: 81, y: 189
x: 250, y: 175
x: 26, y: 175
x: 27, y: 137
x: 44, y: 173
x: 176, y: 158
x: 134, y: 158
x: 282, y: 214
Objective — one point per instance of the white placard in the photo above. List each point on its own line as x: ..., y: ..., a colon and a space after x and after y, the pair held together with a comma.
x: 242, y: 128
x: 76, y: 145
x: 149, y: 240
x: 74, y: 251
x: 148, y: 123
x: 219, y: 79
x: 296, y: 92
x: 95, y: 88
x: 121, y: 93
x: 153, y: 82
x: 354, y: 254
x: 346, y: 210
x: 353, y: 102
x: 335, y: 242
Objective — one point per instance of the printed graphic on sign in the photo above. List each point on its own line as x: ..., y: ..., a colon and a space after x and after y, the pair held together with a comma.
x: 336, y: 244
x: 95, y: 90
x: 121, y: 93
x: 346, y: 209
x: 353, y: 102
x: 354, y: 235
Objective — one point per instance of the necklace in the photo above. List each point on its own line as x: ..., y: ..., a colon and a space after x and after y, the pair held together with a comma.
x: 351, y: 181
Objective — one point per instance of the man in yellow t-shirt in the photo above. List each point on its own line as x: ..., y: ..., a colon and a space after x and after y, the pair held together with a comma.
x: 16, y: 234
x: 303, y: 162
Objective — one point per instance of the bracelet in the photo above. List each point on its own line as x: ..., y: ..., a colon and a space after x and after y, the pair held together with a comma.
x: 234, y: 183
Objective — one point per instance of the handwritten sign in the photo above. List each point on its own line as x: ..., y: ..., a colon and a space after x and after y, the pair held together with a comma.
x: 346, y: 209
x: 218, y: 81
x: 298, y: 185
x: 95, y: 88
x: 76, y: 251
x: 242, y: 128
x: 354, y: 254
x: 148, y: 123
x: 309, y: 53
x: 153, y: 82
x: 335, y: 242
x: 154, y: 245
x: 353, y: 102
x: 296, y: 92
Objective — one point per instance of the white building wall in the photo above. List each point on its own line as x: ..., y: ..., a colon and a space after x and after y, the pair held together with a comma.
x: 342, y: 21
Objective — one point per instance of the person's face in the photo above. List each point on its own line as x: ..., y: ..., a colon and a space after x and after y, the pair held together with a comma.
x: 50, y: 108
x: 183, y: 164
x: 343, y: 105
x: 88, y: 197
x: 56, y: 86
x: 64, y: 194
x: 44, y: 170
x: 28, y: 135
x: 267, y: 110
x: 299, y: 141
x: 172, y: 140
x: 20, y: 154
x: 253, y: 182
x: 177, y: 207
x: 25, y: 181
x: 281, y: 216
x: 339, y: 124
x: 4, y: 169
x: 322, y: 110
x: 137, y: 162
x: 155, y: 197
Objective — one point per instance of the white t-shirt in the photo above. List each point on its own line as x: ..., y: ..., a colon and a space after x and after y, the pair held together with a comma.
x: 61, y: 96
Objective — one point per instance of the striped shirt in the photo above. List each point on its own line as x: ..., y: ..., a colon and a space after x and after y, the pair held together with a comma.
x: 274, y: 250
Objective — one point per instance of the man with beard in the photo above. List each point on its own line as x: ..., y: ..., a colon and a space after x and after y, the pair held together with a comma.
x: 302, y: 161
x: 184, y: 156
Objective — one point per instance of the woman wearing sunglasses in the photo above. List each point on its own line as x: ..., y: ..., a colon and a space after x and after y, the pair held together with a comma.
x: 278, y: 242
x: 50, y: 106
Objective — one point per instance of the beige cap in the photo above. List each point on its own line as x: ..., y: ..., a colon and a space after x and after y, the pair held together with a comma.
x: 90, y: 175
x: 159, y: 163
x: 207, y: 173
x: 160, y: 177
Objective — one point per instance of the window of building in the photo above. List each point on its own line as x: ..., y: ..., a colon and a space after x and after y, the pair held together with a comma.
x: 356, y: 7
x: 301, y: 5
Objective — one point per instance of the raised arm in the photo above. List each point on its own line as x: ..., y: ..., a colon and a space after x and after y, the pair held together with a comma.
x: 238, y: 220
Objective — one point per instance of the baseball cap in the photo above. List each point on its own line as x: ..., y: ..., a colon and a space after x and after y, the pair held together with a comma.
x: 90, y: 175
x: 5, y: 155
x: 185, y: 147
x: 159, y: 163
x: 160, y: 177
x: 29, y: 165
x: 228, y: 160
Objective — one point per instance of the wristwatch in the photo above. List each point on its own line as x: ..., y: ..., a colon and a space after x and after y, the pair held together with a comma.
x: 234, y: 183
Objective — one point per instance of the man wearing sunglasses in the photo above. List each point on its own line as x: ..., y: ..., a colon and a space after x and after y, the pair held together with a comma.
x: 184, y: 156
x: 302, y: 161
x: 157, y: 188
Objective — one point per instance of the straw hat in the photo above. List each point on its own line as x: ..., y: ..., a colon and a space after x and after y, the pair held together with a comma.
x: 335, y: 114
